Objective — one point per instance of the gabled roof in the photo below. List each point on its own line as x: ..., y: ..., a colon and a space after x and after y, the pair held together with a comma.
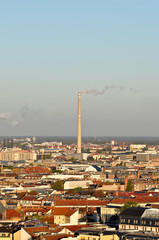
x: 56, y: 237
x: 63, y: 211
x: 33, y: 230
x: 74, y: 228
x: 12, y: 213
x: 28, y: 198
x: 80, y: 202
x: 138, y: 199
x: 122, y: 200
x: 133, y: 212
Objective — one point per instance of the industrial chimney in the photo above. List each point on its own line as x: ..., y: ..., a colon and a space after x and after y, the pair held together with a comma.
x: 79, y: 124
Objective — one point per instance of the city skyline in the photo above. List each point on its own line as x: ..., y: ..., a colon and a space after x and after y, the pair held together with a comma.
x: 53, y: 49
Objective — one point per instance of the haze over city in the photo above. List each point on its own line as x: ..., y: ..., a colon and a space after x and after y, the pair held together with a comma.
x: 51, y: 50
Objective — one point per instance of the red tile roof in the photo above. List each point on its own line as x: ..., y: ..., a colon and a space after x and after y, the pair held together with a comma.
x: 47, y: 232
x: 122, y: 200
x: 33, y: 230
x: 80, y: 202
x: 64, y: 211
x: 12, y: 213
x: 74, y: 228
x: 56, y: 237
x: 138, y: 199
x: 28, y: 198
x: 36, y: 170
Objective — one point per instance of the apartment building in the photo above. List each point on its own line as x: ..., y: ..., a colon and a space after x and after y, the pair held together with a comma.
x: 139, y: 218
x: 18, y: 155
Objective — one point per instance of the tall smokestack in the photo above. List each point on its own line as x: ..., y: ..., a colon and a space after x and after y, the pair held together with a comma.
x: 79, y: 124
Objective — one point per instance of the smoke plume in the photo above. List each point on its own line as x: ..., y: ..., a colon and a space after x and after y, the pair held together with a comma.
x: 23, y: 113
x: 4, y: 116
x: 96, y: 92
x: 14, y: 123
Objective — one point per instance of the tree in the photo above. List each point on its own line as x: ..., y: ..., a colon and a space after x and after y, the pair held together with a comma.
x: 72, y: 159
x: 88, y: 150
x: 71, y: 192
x: 58, y: 185
x: 99, y: 151
x: 129, y: 205
x: 82, y: 150
x: 114, y: 218
x: 33, y: 192
x: 78, y: 189
x: 98, y: 194
x: 145, y: 148
x: 57, y: 171
x: 130, y: 186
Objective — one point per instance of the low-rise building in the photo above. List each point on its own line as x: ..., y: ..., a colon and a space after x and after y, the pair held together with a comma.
x: 139, y: 218
x: 74, y: 184
x: 95, y: 234
x: 65, y: 215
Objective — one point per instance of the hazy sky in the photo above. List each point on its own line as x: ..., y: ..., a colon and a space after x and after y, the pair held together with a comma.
x: 51, y: 49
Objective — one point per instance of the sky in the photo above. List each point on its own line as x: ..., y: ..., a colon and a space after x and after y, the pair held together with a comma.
x: 51, y: 49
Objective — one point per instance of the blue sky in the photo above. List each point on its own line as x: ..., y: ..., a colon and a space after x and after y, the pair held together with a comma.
x: 50, y: 50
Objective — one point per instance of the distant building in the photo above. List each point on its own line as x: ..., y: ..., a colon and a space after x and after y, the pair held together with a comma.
x: 74, y: 184
x: 137, y: 147
x: 18, y: 155
x: 65, y: 215
x: 143, y: 157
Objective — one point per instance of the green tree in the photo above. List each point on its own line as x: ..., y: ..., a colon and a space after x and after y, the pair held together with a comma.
x: 88, y: 150
x: 129, y: 205
x: 82, y: 150
x: 57, y: 171
x: 33, y: 192
x: 58, y: 185
x: 145, y: 148
x: 130, y: 186
x: 72, y: 159
x: 98, y: 194
x: 78, y: 189
x: 99, y: 151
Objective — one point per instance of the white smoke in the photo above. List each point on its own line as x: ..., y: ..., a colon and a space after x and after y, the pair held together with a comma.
x: 15, y: 119
x: 14, y: 123
x: 134, y: 90
x: 4, y: 116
